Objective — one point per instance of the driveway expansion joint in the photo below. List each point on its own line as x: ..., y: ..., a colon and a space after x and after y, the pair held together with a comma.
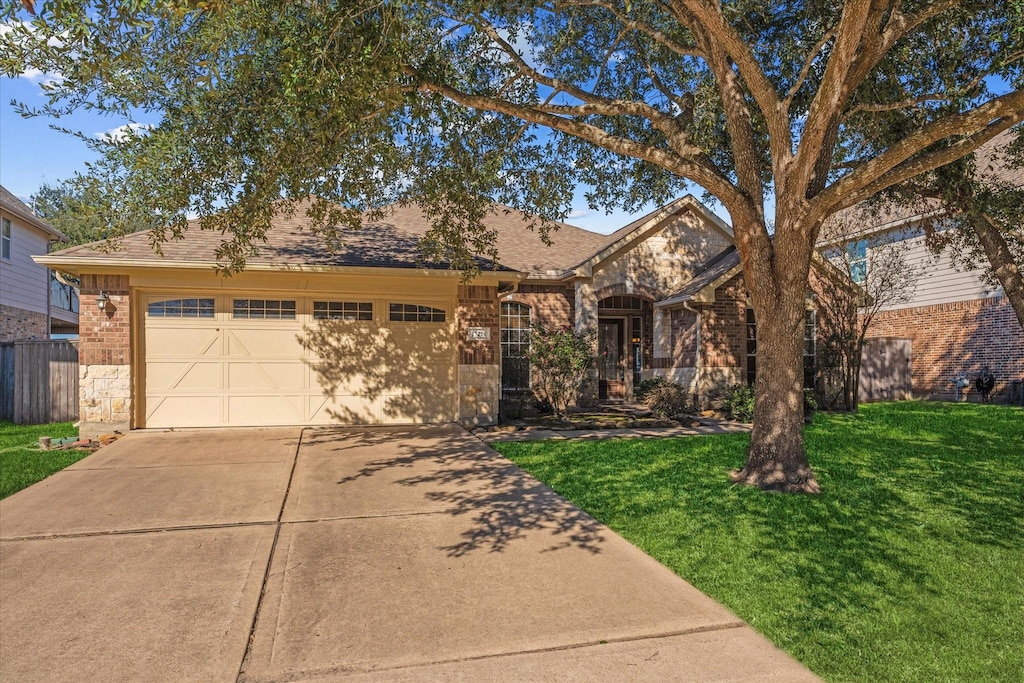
x: 309, y: 674
x: 270, y: 561
x: 129, y: 532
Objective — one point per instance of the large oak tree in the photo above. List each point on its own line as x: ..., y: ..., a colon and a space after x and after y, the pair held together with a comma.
x: 782, y: 110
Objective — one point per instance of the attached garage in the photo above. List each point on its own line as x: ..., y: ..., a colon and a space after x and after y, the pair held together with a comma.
x: 309, y: 333
x: 273, y: 358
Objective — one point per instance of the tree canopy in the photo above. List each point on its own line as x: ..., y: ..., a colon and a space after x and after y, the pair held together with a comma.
x: 785, y: 111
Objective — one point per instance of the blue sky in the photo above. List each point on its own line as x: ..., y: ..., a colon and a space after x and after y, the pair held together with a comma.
x: 32, y: 153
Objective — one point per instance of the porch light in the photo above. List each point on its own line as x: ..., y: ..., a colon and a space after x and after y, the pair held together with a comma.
x: 101, y: 300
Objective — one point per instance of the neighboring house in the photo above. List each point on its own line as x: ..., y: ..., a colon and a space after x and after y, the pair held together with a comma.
x: 956, y: 323
x: 369, y: 335
x: 33, y: 304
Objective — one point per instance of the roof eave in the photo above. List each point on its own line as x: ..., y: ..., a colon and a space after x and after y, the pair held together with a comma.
x: 35, y: 222
x: 76, y: 265
x: 706, y: 294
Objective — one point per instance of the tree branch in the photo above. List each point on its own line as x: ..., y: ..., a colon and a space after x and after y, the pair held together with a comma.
x: 693, y: 167
x: 903, y: 160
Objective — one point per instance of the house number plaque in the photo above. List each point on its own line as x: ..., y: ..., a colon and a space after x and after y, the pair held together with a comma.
x: 479, y: 334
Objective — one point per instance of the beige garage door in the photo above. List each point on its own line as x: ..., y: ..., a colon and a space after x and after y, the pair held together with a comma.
x: 243, y: 360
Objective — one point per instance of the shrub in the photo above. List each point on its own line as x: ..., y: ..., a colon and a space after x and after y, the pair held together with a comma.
x: 560, y: 357
x: 738, y: 403
x: 810, y: 403
x: 641, y: 390
x: 668, y: 399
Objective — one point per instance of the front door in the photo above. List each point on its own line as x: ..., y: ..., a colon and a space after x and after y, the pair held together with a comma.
x: 611, y: 369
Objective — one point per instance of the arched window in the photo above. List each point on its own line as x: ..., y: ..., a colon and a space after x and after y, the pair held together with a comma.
x: 515, y: 343
x: 515, y: 329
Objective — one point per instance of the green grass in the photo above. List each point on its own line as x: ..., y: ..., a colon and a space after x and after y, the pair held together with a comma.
x: 908, y: 567
x: 22, y: 463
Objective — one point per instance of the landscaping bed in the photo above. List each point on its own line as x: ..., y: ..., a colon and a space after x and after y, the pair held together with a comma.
x: 909, y: 565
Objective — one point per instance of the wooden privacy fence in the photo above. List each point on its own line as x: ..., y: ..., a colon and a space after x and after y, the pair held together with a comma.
x: 39, y: 382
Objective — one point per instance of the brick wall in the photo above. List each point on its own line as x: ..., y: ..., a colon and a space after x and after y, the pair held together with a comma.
x: 683, y: 344
x: 723, y: 327
x: 479, y: 361
x: 550, y: 305
x: 105, y: 336
x: 17, y: 324
x: 104, y: 356
x: 957, y: 338
x: 478, y: 307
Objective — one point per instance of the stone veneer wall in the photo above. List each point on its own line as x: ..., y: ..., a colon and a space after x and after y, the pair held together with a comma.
x: 17, y: 324
x: 479, y: 361
x: 104, y: 356
x: 957, y: 338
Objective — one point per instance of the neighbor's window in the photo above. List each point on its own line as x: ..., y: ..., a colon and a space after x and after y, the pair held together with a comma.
x: 515, y: 329
x: 5, y: 240
x: 412, y: 313
x: 275, y: 309
x: 857, y: 256
x: 342, y: 310
x: 181, y: 308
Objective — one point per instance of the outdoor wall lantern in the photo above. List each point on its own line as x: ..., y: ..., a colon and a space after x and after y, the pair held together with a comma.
x: 101, y: 300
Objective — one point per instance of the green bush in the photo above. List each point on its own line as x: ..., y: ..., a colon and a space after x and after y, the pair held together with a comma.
x: 738, y: 403
x: 641, y: 390
x: 560, y: 358
x: 668, y: 399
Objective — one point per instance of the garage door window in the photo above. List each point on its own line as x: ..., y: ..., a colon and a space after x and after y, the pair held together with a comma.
x: 342, y: 310
x: 275, y: 309
x: 181, y: 308
x: 413, y: 313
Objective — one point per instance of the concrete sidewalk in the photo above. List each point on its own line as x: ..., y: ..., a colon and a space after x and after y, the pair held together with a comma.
x: 398, y: 554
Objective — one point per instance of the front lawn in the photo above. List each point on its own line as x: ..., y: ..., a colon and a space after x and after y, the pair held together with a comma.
x: 22, y: 463
x: 908, y: 567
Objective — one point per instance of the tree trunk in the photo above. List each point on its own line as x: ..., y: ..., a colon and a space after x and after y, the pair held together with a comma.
x: 776, y: 459
x: 1006, y: 270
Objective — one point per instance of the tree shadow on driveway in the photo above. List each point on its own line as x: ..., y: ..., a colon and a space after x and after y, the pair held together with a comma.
x: 454, y: 474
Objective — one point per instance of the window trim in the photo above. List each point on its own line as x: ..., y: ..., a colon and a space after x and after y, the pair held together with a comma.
x: 281, y: 310
x: 419, y: 311
x: 6, y: 240
x: 162, y: 299
x: 360, y: 308
x: 503, y: 343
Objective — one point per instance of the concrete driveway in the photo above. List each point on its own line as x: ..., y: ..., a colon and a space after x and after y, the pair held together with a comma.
x: 377, y: 554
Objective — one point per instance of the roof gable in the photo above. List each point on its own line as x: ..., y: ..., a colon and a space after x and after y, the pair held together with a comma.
x: 18, y: 209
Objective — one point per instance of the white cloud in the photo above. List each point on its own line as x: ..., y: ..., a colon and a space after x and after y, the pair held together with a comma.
x: 122, y: 133
x: 580, y: 213
x: 26, y: 33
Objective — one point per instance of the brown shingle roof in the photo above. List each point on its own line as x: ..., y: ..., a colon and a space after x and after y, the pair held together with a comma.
x: 392, y: 242
x: 16, y: 207
x: 719, y: 265
x: 519, y: 247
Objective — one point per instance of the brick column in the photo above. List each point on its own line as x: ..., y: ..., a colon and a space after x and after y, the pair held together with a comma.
x: 104, y: 357
x: 479, y: 360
